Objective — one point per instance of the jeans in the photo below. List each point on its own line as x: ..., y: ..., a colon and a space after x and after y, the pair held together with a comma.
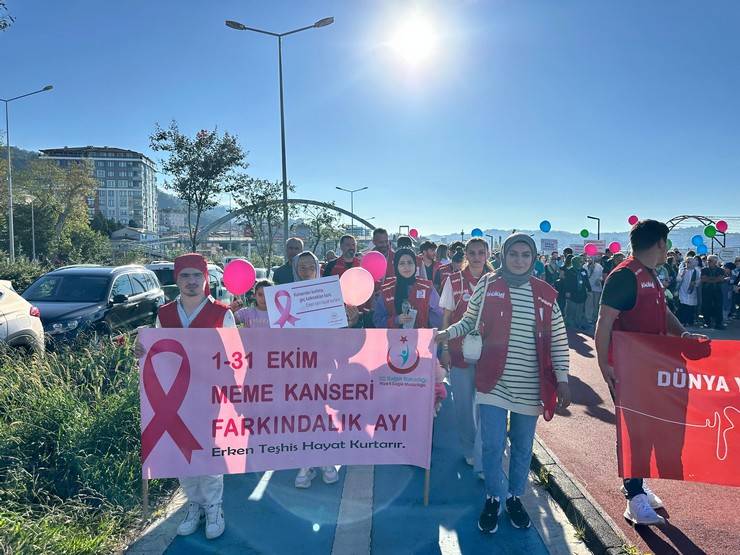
x: 575, y: 314
x: 462, y: 382
x: 592, y: 306
x: 493, y: 435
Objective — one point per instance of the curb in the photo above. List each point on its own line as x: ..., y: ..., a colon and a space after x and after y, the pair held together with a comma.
x: 601, y: 535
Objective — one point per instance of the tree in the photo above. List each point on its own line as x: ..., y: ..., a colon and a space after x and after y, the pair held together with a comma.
x: 323, y: 222
x: 264, y: 213
x: 104, y: 225
x: 200, y: 168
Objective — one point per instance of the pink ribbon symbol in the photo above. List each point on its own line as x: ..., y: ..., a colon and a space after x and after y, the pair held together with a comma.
x: 166, y: 405
x: 285, y: 316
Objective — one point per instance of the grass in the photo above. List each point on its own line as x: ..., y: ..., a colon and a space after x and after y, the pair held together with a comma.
x: 542, y: 478
x: 70, y: 475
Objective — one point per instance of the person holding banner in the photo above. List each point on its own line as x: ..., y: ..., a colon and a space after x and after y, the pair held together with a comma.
x: 522, y: 371
x: 633, y: 300
x: 193, y: 308
x: 407, y: 301
x: 306, y: 266
x: 456, y: 293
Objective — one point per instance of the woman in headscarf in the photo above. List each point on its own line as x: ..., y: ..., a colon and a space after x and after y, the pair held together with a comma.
x: 458, y: 288
x: 407, y: 301
x: 522, y: 372
x: 306, y: 266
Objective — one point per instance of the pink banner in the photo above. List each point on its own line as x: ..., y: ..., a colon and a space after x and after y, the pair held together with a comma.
x: 227, y: 401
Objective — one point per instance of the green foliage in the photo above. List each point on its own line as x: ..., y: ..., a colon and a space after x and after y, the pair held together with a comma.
x: 69, y: 451
x: 78, y: 244
x: 324, y: 224
x: 5, y: 18
x: 264, y: 212
x: 200, y: 167
x: 23, y: 273
x: 104, y: 225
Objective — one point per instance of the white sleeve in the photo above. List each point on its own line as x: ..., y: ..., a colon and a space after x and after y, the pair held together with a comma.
x: 157, y: 323
x: 447, y: 300
x: 229, y: 321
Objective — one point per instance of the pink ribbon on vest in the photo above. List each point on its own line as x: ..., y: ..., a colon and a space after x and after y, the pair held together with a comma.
x: 285, y: 316
x: 166, y: 405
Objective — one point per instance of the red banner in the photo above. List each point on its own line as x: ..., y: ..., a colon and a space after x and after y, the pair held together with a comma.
x: 678, y: 408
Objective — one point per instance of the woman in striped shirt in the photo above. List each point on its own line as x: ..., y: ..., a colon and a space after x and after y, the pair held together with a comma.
x: 522, y: 371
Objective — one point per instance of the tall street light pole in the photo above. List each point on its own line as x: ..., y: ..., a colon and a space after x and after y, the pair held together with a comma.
x: 352, y: 202
x: 241, y: 27
x: 28, y: 199
x: 491, y: 238
x: 11, y: 234
x: 598, y: 226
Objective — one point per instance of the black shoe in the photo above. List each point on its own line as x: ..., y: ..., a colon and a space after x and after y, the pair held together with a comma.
x: 488, y: 520
x: 517, y: 514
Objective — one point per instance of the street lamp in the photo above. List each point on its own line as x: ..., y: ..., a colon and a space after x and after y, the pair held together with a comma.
x: 11, y: 235
x: 598, y: 226
x: 28, y: 199
x: 241, y: 27
x: 352, y: 201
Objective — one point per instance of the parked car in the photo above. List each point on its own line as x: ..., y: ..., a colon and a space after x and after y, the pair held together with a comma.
x: 165, y: 272
x: 20, y: 325
x: 98, y: 300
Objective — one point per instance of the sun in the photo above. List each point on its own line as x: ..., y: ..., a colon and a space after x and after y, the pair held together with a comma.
x: 415, y: 39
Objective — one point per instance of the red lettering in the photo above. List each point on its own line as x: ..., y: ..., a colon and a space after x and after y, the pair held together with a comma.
x: 309, y: 359
x: 234, y: 394
x: 219, y: 394
x: 272, y: 359
x: 215, y: 426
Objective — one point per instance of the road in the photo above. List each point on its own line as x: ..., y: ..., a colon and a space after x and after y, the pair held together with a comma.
x: 375, y: 510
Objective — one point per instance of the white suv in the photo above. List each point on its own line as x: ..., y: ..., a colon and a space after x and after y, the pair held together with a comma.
x: 20, y: 322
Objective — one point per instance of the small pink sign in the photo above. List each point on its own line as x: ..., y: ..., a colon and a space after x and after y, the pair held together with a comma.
x: 228, y: 401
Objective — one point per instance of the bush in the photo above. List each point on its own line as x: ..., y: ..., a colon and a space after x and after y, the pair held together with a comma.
x: 70, y: 472
x: 23, y: 273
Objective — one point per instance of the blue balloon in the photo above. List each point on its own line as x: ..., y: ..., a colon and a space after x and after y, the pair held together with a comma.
x: 697, y: 240
x: 545, y: 226
x: 476, y: 233
x: 702, y: 249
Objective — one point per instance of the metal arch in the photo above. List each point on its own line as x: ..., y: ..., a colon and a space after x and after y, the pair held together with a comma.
x: 203, y: 233
x: 703, y: 220
x: 720, y: 238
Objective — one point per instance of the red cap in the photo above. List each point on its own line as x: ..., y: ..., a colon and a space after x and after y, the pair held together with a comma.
x: 193, y: 260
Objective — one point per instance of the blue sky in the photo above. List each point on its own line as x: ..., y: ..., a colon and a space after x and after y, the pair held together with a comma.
x: 525, y: 110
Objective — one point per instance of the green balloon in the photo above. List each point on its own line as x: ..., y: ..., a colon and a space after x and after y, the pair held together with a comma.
x: 584, y: 233
x: 669, y: 244
x: 710, y: 231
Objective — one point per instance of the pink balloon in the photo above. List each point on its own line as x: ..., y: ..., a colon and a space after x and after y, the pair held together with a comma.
x: 591, y: 249
x: 633, y: 220
x: 615, y: 247
x: 239, y: 276
x: 721, y: 226
x: 357, y: 286
x: 375, y: 263
x: 414, y: 233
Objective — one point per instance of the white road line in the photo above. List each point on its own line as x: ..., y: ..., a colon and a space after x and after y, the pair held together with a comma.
x: 355, y: 519
x: 259, y: 489
x: 448, y: 542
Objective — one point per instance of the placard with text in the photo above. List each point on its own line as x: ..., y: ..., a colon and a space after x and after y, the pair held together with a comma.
x: 225, y: 401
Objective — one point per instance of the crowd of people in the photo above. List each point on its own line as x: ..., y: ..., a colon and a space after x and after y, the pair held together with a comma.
x: 518, y: 302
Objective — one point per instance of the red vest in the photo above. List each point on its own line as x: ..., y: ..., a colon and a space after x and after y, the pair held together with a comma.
x: 210, y: 316
x: 495, y: 328
x: 389, y: 270
x: 649, y: 313
x: 444, y: 271
x: 341, y: 266
x: 419, y: 295
x: 462, y: 283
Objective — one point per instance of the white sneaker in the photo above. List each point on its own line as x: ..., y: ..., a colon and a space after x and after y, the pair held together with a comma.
x: 192, y: 520
x: 215, y: 523
x: 304, y: 477
x: 470, y: 461
x: 329, y: 474
x: 655, y: 501
x: 639, y: 511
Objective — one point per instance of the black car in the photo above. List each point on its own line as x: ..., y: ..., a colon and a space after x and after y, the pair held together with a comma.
x: 84, y: 299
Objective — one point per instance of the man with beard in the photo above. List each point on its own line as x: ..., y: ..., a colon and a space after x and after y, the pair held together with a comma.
x: 348, y: 260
